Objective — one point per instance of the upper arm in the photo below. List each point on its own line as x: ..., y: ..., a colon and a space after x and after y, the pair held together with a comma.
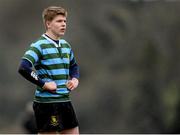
x: 33, y: 54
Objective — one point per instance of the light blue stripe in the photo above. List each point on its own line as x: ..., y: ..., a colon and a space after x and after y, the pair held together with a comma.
x: 38, y: 43
x: 41, y: 42
x: 63, y: 91
x: 54, y: 50
x: 60, y: 82
x: 49, y: 51
x: 66, y: 50
x: 33, y: 54
x: 37, y: 46
x: 45, y: 94
x: 55, y: 61
x: 54, y: 72
x: 66, y: 60
x: 47, y: 80
x: 63, y: 41
x: 48, y: 94
x: 52, y: 61
x: 41, y: 72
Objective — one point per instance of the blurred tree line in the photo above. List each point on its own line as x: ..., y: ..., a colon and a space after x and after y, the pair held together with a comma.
x: 128, y: 52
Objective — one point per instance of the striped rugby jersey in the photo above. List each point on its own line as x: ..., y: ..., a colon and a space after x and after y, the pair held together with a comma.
x: 52, y: 62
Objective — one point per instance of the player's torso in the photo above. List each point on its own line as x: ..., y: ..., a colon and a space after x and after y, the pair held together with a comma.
x: 54, y: 66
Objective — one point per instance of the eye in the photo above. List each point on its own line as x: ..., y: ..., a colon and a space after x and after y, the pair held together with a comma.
x: 61, y: 21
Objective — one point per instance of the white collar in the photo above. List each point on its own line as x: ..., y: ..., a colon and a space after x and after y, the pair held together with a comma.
x: 52, y: 41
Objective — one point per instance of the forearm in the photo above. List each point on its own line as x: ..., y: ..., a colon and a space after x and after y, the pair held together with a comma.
x: 74, y: 71
x: 25, y: 69
x: 74, y: 75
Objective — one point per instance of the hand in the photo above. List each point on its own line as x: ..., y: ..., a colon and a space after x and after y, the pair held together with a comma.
x: 72, y: 84
x: 50, y: 86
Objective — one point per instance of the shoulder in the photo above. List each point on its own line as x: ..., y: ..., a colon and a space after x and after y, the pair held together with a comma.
x: 39, y: 42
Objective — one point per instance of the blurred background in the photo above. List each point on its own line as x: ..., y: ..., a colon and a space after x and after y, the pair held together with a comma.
x: 129, y: 57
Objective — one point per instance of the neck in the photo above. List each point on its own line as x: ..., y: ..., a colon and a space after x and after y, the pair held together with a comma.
x: 52, y: 35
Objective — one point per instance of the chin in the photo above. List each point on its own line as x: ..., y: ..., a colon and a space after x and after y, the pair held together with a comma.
x: 61, y: 34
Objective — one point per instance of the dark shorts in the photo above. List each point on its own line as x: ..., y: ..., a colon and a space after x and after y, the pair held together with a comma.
x: 54, y: 117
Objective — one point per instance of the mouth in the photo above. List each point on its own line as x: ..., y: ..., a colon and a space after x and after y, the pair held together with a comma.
x: 63, y: 29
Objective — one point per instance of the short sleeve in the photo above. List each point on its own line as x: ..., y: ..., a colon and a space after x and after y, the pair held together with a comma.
x: 33, y: 54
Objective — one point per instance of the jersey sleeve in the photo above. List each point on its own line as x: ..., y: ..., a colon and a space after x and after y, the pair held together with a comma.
x: 33, y: 54
x: 25, y: 69
x: 74, y: 68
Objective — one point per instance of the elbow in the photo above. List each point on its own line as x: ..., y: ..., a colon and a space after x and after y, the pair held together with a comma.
x: 21, y: 70
x: 24, y: 68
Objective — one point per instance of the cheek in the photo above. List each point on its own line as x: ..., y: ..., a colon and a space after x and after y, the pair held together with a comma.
x: 56, y: 26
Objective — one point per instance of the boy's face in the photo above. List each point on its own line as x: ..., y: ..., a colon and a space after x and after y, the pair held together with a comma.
x: 57, y: 26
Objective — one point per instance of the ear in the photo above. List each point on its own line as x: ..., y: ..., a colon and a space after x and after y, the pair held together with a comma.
x: 48, y: 24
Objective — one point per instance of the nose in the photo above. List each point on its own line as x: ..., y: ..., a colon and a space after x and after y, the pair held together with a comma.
x: 64, y: 23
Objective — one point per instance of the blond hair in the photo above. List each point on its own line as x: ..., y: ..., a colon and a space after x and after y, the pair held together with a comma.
x: 51, y: 12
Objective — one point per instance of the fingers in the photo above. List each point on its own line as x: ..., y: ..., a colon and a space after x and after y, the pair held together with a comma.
x: 72, y: 84
x: 50, y: 86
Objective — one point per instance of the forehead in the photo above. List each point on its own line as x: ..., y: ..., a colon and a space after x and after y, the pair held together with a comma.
x: 59, y: 17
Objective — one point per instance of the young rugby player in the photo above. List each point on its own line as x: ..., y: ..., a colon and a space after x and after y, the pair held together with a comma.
x: 50, y: 64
